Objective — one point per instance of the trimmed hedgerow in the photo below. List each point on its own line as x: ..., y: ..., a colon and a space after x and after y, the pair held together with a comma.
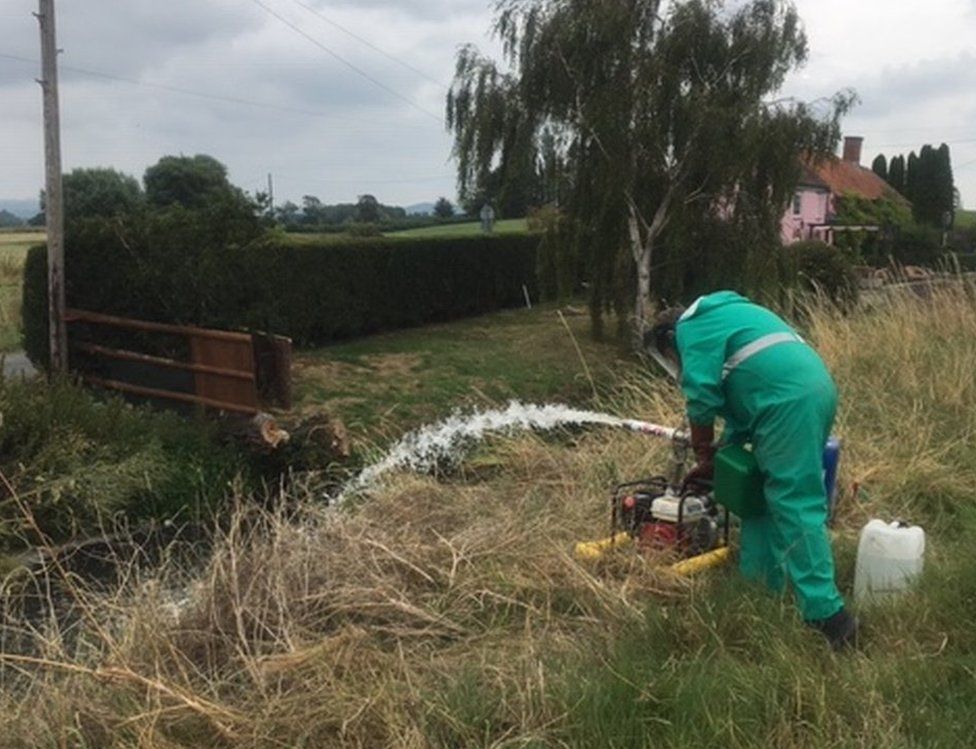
x: 171, y: 271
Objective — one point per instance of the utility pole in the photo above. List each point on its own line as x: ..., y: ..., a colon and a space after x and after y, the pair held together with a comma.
x: 54, y: 195
x: 270, y: 196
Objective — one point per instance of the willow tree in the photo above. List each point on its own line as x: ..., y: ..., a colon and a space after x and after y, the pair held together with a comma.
x: 663, y: 113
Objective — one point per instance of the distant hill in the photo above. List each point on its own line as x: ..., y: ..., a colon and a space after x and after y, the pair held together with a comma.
x: 25, y: 209
x: 420, y: 209
x: 7, y: 219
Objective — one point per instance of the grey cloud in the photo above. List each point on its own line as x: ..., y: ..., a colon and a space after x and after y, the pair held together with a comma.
x: 127, y: 37
x: 365, y: 140
x: 17, y: 73
x: 897, y: 90
x: 914, y: 85
x: 427, y: 9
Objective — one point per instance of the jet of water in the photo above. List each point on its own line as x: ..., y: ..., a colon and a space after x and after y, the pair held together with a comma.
x: 445, y: 441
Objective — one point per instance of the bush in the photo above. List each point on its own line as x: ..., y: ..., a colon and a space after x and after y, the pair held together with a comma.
x: 33, y: 310
x: 80, y: 464
x: 166, y: 269
x: 918, y: 245
x: 100, y: 192
x: 363, y: 230
x: 825, y: 269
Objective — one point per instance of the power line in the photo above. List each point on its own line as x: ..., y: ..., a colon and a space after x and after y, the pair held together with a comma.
x: 927, y: 128
x: 288, y: 178
x: 915, y: 145
x: 398, y: 181
x: 191, y: 92
x: 356, y: 69
x: 399, y: 61
x: 233, y: 100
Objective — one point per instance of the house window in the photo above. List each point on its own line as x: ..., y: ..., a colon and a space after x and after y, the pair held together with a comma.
x: 796, y: 204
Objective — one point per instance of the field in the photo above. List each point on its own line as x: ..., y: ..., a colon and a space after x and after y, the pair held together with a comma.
x: 306, y: 238
x: 13, y: 248
x: 446, y: 610
x: 965, y: 219
x: 506, y: 226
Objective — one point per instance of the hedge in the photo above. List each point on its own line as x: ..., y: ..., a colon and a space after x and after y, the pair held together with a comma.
x: 314, y: 294
x: 825, y: 269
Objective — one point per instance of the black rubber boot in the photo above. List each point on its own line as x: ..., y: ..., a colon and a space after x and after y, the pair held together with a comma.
x: 839, y: 629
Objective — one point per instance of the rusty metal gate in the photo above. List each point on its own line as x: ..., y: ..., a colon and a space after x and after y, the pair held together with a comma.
x: 219, y: 369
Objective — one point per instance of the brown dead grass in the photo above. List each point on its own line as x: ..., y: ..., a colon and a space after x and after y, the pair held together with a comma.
x: 331, y: 627
x: 378, y: 368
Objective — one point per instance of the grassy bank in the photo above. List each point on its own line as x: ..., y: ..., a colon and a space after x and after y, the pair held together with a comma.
x: 448, y: 612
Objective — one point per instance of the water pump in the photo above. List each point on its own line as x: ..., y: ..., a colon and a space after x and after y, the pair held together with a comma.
x: 660, y: 518
x: 660, y: 515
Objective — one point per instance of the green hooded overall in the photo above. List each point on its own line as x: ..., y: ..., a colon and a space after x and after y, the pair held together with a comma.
x: 741, y: 362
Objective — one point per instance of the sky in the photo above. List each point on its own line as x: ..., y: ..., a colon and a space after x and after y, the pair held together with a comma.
x: 336, y: 98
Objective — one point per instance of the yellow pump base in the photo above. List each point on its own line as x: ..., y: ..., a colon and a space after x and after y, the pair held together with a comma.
x: 592, y: 550
x: 706, y: 561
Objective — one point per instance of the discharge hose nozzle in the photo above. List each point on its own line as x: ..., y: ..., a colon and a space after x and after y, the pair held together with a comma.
x: 656, y: 430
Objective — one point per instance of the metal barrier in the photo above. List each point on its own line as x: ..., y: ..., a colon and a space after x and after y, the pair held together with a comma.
x: 223, y: 371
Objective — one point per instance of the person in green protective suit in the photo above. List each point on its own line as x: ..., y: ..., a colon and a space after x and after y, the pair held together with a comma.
x: 741, y: 362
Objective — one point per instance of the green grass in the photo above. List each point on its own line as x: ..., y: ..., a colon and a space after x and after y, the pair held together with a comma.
x: 965, y: 219
x: 302, y: 238
x: 398, y: 380
x: 18, y: 242
x: 505, y: 226
x: 13, y: 249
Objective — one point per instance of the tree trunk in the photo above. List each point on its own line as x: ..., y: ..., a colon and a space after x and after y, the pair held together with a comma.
x: 640, y: 249
x: 644, y: 304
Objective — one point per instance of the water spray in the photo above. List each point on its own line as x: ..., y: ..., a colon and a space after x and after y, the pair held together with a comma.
x: 424, y: 449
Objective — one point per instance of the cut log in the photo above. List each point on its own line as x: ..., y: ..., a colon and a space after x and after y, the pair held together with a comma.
x: 316, y: 443
x: 318, y: 440
x: 260, y: 433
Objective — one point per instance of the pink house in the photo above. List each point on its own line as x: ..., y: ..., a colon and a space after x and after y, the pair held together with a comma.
x: 812, y: 212
x: 807, y: 215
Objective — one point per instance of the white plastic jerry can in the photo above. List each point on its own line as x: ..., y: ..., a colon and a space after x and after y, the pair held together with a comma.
x: 889, y: 557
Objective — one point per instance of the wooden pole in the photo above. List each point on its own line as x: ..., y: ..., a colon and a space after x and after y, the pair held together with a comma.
x: 54, y: 195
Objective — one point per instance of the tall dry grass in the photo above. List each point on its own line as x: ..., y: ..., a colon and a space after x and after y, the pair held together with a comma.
x: 447, y: 611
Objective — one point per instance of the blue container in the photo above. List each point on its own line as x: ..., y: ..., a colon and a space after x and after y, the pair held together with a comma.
x: 831, y: 462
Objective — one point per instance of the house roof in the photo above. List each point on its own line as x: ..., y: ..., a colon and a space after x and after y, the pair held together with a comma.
x: 847, y: 177
x: 809, y: 178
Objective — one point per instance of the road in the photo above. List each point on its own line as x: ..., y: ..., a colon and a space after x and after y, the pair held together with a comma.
x: 16, y: 364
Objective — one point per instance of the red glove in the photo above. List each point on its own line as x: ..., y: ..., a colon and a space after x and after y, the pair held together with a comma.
x: 703, y: 445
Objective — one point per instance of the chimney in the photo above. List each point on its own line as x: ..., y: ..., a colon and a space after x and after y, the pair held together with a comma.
x: 852, y: 148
